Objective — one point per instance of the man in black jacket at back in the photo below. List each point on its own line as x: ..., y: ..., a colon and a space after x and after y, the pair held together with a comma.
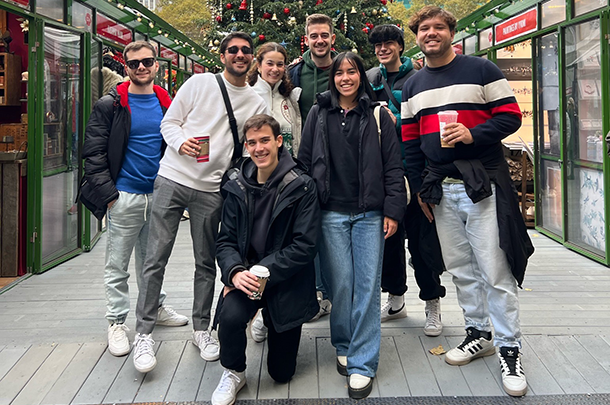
x: 123, y: 146
x: 270, y: 218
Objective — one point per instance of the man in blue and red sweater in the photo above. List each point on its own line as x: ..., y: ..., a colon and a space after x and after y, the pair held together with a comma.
x: 465, y: 186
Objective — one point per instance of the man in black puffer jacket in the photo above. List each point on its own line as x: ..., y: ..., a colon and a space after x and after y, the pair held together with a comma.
x: 270, y: 218
x: 122, y: 150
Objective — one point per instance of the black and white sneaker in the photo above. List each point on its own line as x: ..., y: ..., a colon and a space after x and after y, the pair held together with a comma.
x: 513, y: 377
x: 475, y: 345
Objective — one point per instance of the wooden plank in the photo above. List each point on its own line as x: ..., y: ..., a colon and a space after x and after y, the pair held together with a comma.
x: 188, y: 375
x: 254, y: 358
x: 449, y: 378
x: 14, y: 381
x: 304, y: 384
x: 211, y: 376
x: 390, y: 375
x: 157, y: 382
x: 416, y: 365
x: 570, y: 381
x: 100, y: 379
x: 584, y: 362
x: 9, y: 356
x: 540, y: 380
x: 480, y: 376
x: 598, y: 347
x: 331, y: 384
x: 269, y: 388
x: 48, y: 373
x: 75, y: 374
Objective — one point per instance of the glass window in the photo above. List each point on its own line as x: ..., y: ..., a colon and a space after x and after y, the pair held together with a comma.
x: 51, y: 8
x: 548, y: 95
x: 486, y: 38
x: 189, y: 65
x: 584, y: 6
x: 553, y: 12
x: 182, y: 62
x: 470, y: 45
x: 82, y: 17
x: 583, y: 129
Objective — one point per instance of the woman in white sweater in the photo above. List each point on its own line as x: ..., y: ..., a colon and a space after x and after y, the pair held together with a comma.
x: 278, y: 92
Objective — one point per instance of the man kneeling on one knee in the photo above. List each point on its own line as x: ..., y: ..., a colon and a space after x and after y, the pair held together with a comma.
x: 271, y: 219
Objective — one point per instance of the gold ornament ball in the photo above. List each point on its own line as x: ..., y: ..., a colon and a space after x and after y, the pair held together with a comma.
x: 354, y: 50
x: 216, y: 42
x: 374, y: 12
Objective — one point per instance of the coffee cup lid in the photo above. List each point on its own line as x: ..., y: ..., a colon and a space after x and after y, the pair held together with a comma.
x: 259, y: 271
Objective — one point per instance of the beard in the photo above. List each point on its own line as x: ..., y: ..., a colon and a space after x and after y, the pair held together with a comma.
x: 141, y: 82
x: 234, y: 72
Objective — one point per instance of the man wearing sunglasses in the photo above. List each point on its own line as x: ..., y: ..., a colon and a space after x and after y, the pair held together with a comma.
x: 200, y: 146
x: 123, y: 147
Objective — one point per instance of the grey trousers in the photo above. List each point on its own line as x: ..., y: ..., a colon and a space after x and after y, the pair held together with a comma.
x: 169, y: 201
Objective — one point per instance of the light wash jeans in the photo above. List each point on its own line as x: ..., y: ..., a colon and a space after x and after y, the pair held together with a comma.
x: 470, y: 242
x: 127, y: 231
x: 351, y: 254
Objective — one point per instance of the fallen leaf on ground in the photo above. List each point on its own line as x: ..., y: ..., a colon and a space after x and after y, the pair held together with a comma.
x: 437, y: 351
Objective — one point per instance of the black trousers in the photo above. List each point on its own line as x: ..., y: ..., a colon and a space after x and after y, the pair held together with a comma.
x: 237, y: 310
x: 425, y: 251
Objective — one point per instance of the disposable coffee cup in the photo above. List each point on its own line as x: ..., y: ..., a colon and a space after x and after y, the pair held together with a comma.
x: 444, y: 118
x: 262, y: 273
x: 204, y: 152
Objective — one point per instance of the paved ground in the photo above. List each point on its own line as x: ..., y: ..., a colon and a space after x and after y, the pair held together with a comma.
x: 53, y: 347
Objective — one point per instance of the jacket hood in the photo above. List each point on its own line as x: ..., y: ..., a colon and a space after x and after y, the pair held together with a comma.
x: 247, y: 174
x: 122, y: 90
x: 325, y: 101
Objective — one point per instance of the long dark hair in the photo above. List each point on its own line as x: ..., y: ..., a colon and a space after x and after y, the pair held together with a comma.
x: 355, y: 61
x: 253, y: 75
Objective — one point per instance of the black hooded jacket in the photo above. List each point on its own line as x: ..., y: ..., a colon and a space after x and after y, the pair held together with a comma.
x: 380, y: 174
x: 289, y: 241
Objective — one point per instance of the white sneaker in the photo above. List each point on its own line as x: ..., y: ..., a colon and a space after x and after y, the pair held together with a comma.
x: 473, y: 347
x: 209, y: 350
x: 513, y: 377
x: 167, y: 316
x: 433, y: 326
x: 118, y: 343
x: 228, y: 387
x: 359, y: 386
x: 258, y: 330
x: 389, y: 311
x: 144, y: 358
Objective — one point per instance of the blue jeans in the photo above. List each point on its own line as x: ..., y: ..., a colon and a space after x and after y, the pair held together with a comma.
x: 128, y: 221
x: 470, y: 242
x: 351, y: 254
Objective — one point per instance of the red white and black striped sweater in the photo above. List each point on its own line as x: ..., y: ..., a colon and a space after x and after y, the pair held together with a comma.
x: 478, y: 91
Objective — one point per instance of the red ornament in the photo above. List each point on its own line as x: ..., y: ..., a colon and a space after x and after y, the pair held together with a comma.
x: 218, y: 18
x: 229, y: 6
x: 365, y: 30
x: 370, y: 25
x: 261, y: 37
x: 266, y: 15
x: 318, y: 2
x: 286, y: 10
x: 398, y: 25
x: 243, y: 5
x: 342, y: 26
x: 384, y: 2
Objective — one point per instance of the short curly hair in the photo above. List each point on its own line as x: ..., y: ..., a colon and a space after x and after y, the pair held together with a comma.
x: 429, y: 12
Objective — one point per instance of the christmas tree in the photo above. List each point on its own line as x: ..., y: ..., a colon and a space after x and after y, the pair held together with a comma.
x: 284, y: 22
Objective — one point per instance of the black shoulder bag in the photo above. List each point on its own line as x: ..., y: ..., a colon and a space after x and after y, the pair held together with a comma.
x: 388, y: 91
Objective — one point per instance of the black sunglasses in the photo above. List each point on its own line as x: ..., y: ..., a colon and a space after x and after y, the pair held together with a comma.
x: 244, y: 49
x: 135, y: 63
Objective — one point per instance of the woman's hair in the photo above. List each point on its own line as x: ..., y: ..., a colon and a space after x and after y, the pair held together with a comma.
x: 253, y: 75
x: 355, y: 61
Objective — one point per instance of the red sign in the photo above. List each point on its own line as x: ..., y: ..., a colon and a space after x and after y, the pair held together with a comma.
x: 197, y: 68
x: 88, y: 19
x: 519, y: 25
x: 113, y: 31
x: 167, y: 53
x: 22, y: 2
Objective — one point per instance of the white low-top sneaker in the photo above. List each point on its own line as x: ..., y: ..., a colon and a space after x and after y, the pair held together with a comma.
x: 118, y: 343
x: 167, y: 316
x: 209, y: 349
x: 228, y: 387
x: 258, y: 330
x: 474, y: 346
x: 144, y: 358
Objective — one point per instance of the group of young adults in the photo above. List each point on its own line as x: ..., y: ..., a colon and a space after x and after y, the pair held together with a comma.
x: 319, y: 201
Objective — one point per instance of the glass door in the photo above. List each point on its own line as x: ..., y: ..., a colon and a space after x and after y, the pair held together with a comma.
x: 548, y: 119
x: 61, y: 139
x: 584, y: 153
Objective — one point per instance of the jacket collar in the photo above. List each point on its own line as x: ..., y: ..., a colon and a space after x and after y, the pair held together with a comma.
x: 405, y: 68
x: 122, y: 90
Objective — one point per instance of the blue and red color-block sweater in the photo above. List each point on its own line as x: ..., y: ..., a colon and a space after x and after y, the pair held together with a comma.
x: 478, y: 91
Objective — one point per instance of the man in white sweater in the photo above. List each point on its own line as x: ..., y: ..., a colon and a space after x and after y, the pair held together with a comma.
x: 199, y: 150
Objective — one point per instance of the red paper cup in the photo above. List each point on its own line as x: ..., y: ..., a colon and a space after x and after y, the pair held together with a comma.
x: 444, y: 118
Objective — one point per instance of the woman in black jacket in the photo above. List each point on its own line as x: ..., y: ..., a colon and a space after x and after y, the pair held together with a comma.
x: 355, y: 162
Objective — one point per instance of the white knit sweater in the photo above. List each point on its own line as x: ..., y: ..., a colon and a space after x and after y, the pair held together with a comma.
x: 199, y: 110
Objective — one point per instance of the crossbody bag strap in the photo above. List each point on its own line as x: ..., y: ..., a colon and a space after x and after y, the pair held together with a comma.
x: 237, y: 150
x: 388, y: 91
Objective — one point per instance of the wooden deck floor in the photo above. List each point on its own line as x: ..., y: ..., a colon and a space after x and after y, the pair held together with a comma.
x: 53, y: 341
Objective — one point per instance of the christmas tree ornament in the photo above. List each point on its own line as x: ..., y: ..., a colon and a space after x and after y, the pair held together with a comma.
x: 384, y: 9
x: 345, y: 23
x: 353, y: 10
x: 211, y: 44
x: 286, y: 10
x: 243, y: 6
x: 354, y: 50
x: 300, y: 3
x: 374, y: 12
x: 318, y: 2
x: 218, y: 18
x: 266, y: 15
x: 274, y: 18
x: 233, y: 28
x: 233, y: 19
x: 384, y: 2
x: 253, y: 34
x: 229, y: 6
x: 365, y: 30
x: 216, y: 42
x: 284, y: 43
x: 261, y: 37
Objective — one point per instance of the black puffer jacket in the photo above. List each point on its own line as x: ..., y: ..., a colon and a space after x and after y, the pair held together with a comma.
x: 381, y: 180
x: 290, y: 246
x: 106, y: 138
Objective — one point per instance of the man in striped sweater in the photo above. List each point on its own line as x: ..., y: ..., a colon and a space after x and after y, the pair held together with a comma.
x: 463, y: 183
